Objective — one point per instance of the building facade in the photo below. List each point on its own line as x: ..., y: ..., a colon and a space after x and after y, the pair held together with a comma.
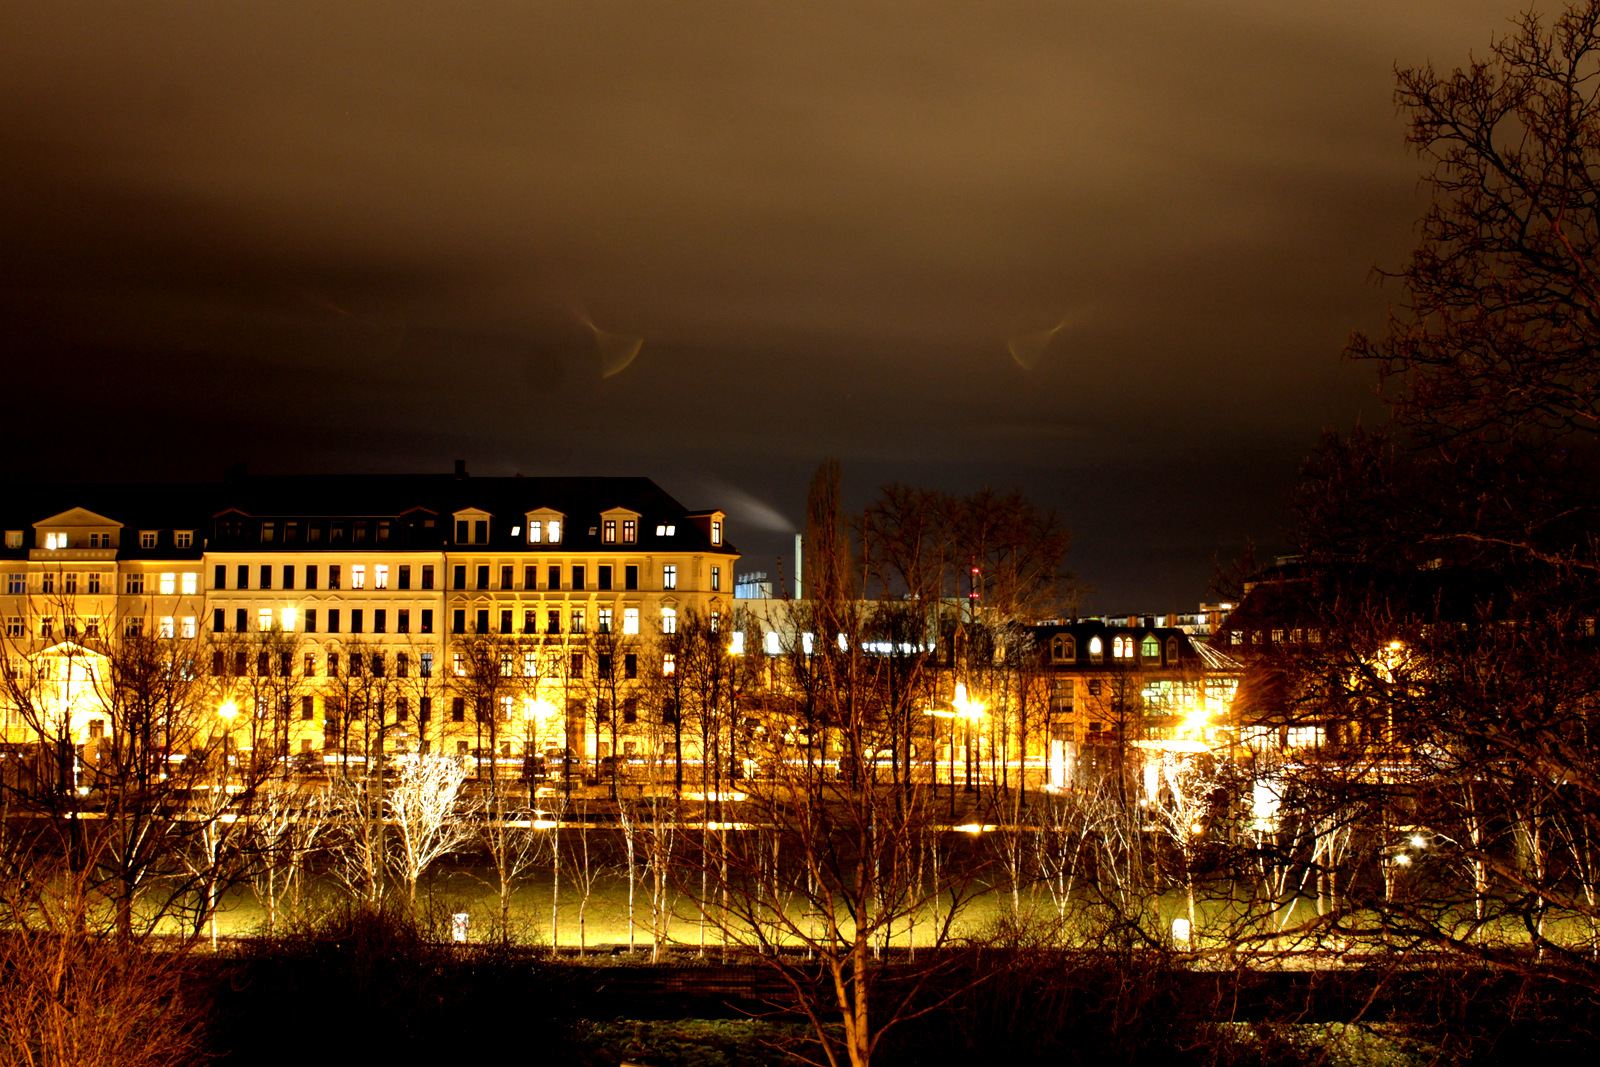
x: 459, y: 614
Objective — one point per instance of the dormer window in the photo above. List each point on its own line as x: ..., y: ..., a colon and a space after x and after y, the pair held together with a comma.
x: 544, y: 526
x: 609, y: 532
x: 630, y: 531
x: 180, y: 539
x: 13, y: 538
x: 1172, y: 650
x: 1151, y: 648
x: 666, y: 530
x: 1063, y: 648
x: 1097, y: 650
x: 147, y: 539
x: 716, y: 532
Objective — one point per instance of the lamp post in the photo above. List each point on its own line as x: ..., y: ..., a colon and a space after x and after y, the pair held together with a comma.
x: 968, y: 710
x: 532, y: 710
x: 226, y: 712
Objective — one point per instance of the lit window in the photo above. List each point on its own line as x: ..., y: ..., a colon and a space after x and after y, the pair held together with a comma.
x: 630, y: 531
x: 577, y: 620
x: 530, y: 665
x: 608, y: 532
x: 1151, y: 649
x: 630, y: 620
x: 287, y: 617
x: 1097, y: 650
x: 535, y: 532
x: 669, y: 576
x: 666, y: 530
x: 181, y: 539
x: 604, y: 624
x: 380, y: 576
x: 168, y: 630
x: 808, y: 643
x: 669, y: 663
x: 716, y: 533
x: 54, y: 541
x: 716, y: 621
x: 169, y: 584
x: 190, y: 627
x: 669, y: 620
x: 264, y: 619
x: 358, y: 576
x: 736, y: 642
x: 555, y: 531
x: 774, y: 643
x: 716, y: 579
x: 147, y: 539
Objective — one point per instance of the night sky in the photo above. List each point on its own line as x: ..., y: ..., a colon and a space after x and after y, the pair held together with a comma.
x: 1106, y: 253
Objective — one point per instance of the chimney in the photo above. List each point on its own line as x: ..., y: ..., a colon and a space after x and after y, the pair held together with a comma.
x: 461, y: 468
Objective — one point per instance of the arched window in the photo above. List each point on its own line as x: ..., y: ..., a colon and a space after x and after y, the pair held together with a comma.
x: 1150, y: 649
x: 1172, y: 650
x: 1097, y: 651
x: 1063, y: 648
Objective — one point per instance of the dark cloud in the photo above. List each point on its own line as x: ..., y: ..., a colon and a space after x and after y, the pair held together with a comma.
x: 379, y: 236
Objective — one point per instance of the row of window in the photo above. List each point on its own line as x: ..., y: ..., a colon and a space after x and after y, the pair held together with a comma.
x: 71, y: 583
x: 1257, y: 637
x: 1064, y: 648
x: 57, y: 540
x: 576, y: 577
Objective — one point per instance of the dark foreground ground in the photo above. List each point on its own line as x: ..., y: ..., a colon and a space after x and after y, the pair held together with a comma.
x: 374, y: 992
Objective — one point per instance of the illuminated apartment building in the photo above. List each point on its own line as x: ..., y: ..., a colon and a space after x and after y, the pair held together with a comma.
x: 451, y: 609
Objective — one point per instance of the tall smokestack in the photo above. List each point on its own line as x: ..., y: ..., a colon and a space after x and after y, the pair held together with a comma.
x: 798, y: 541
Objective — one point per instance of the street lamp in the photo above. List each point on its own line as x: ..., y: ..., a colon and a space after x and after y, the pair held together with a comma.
x: 968, y: 710
x: 226, y: 712
x: 533, y: 709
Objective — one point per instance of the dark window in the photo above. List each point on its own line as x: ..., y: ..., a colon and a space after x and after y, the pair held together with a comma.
x: 458, y: 709
x: 578, y: 577
x: 377, y: 667
x: 630, y: 576
x: 383, y: 531
x: 266, y: 576
x: 483, y: 621
x: 577, y: 665
x: 241, y: 620
x: 243, y: 576
x: 716, y: 579
x: 424, y: 709
x: 333, y: 664
x: 630, y: 666
x: 402, y: 708
x: 554, y: 576
x: 505, y: 621
x: 630, y: 709
x: 402, y: 665
x: 380, y: 620
x: 459, y: 576
x: 306, y: 711
x: 552, y: 622
x: 218, y: 662
x: 219, y: 621
x: 333, y: 576
x: 603, y: 664
x: 219, y: 576
x: 483, y: 576
x: 402, y: 576
x: 427, y: 576
x: 357, y: 619
x: 506, y: 572
x: 480, y: 531
x: 1094, y: 687
x: 602, y: 576
x: 402, y: 623
x: 427, y: 620
x: 311, y: 576
x: 461, y: 531
x: 458, y: 621
x: 529, y: 626
x: 333, y: 620
x: 311, y: 620
x: 241, y: 663
x: 530, y: 577
x: 288, y: 575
